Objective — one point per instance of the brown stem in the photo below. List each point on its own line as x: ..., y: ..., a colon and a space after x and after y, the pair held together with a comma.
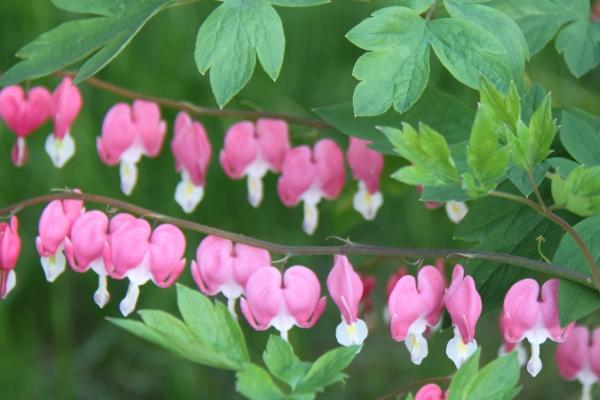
x: 195, y: 109
x: 587, y: 254
x: 536, y: 190
x: 556, y: 270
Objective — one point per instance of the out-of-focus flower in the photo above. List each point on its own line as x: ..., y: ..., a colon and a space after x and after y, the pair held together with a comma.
x: 366, y: 165
x: 10, y: 249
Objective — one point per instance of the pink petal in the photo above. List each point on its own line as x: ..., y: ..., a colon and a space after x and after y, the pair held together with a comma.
x: 167, y: 248
x: 239, y: 150
x: 247, y: 260
x: 129, y: 244
x: 431, y: 391
x: 65, y: 106
x: 150, y: 128
x: 395, y: 277
x: 118, y: 134
x: 549, y: 311
x: 345, y: 288
x: 329, y: 161
x: 431, y: 288
x: 24, y: 114
x: 297, y: 175
x: 521, y: 309
x: 301, y: 291
x: 10, y: 244
x: 463, y: 303
x: 264, y: 297
x: 572, y: 354
x: 87, y: 240
x: 274, y: 140
x: 404, y: 307
x: 214, y: 264
x: 54, y: 226
x: 366, y: 164
x: 594, y: 352
x: 191, y: 148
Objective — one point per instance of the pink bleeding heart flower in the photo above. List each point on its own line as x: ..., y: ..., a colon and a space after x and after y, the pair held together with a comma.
x: 54, y: 228
x: 346, y: 289
x: 431, y: 391
x: 253, y: 150
x: 87, y: 247
x: 129, y: 256
x: 167, y: 248
x: 413, y: 306
x: 65, y: 105
x: 366, y: 165
x: 531, y: 314
x: 282, y: 302
x: 10, y: 248
x: 308, y: 176
x: 23, y: 114
x: 192, y: 151
x: 578, y: 357
x: 128, y: 133
x: 508, y: 347
x: 222, y: 267
x: 431, y: 205
x: 366, y: 300
x: 464, y: 305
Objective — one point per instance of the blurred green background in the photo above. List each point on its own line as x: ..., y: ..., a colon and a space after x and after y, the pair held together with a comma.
x: 56, y: 344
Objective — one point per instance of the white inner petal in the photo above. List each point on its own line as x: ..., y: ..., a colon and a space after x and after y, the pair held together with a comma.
x: 188, y: 195
x: 365, y: 203
x: 60, y: 150
x: 255, y: 190
x: 129, y: 174
x: 458, y: 351
x: 283, y: 322
x: 20, y: 151
x: 311, y: 218
x: 351, y: 334
x: 11, y: 281
x: 54, y: 265
x: 415, y: 342
x: 456, y: 211
x: 101, y: 296
x: 128, y: 304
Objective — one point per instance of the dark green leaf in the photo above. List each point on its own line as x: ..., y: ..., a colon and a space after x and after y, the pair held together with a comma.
x: 298, y: 3
x: 521, y: 180
x: 580, y: 135
x: 579, y: 45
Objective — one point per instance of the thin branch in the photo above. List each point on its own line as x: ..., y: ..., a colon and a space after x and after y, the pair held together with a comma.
x: 556, y: 270
x: 536, y: 190
x: 195, y: 109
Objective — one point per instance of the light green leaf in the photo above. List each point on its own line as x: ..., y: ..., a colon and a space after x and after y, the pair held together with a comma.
x: 420, y: 6
x: 75, y: 40
x: 327, y: 369
x: 576, y: 301
x: 429, y: 153
x: 256, y: 384
x: 298, y: 3
x: 281, y: 361
x: 396, y: 68
x: 580, y: 192
x: 580, y: 135
x: 506, y: 108
x: 212, y: 324
x: 469, y: 52
x: 496, y: 380
x: 231, y: 38
x: 462, y: 377
x: 579, y: 45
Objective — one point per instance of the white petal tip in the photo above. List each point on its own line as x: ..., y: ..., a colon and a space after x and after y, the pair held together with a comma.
x: 54, y: 266
x: 60, y: 150
x: 188, y: 195
x: 367, y: 203
x: 353, y: 334
x: 128, y: 172
x: 456, y: 210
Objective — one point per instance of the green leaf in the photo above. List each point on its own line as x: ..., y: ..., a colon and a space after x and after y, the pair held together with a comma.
x: 533, y: 99
x: 439, y: 110
x: 396, y: 68
x: 506, y: 108
x: 496, y: 380
x: 281, y: 361
x: 212, y: 324
x: 521, y: 180
x: 231, y: 38
x: 429, y: 153
x: 256, y: 384
x: 579, y: 45
x: 409, y: 397
x: 462, y: 377
x: 580, y: 135
x: 580, y: 192
x: 486, y: 158
x: 420, y: 6
x: 469, y: 52
x: 298, y: 3
x: 562, y: 166
x: 501, y: 26
x: 444, y: 193
x: 327, y: 369
x: 576, y: 301
x: 106, y: 36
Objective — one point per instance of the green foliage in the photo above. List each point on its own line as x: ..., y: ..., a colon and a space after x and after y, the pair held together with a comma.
x: 99, y: 39
x: 397, y: 42
x: 497, y: 380
x: 429, y: 153
x: 540, y: 20
x: 507, y: 109
x: 580, y: 192
x: 576, y: 301
x: 281, y: 361
x: 207, y: 335
x: 580, y: 135
x: 256, y: 384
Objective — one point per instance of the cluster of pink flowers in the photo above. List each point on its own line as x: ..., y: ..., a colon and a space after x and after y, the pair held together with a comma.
x: 120, y: 247
x: 25, y: 111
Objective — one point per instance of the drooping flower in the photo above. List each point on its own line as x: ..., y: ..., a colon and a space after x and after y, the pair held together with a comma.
x: 366, y: 300
x: 463, y: 303
x: 23, y: 114
x: 508, y: 347
x: 54, y: 227
x: 366, y: 165
x: 531, y: 314
x: 578, y: 357
x: 128, y: 133
x: 253, y: 150
x: 456, y: 210
x: 309, y: 176
x: 431, y: 391
x: 282, y: 301
x: 393, y: 279
x: 222, y: 267
x: 346, y: 289
x: 87, y: 247
x: 192, y: 151
x: 167, y: 248
x: 64, y: 107
x: 10, y: 248
x: 414, y: 306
